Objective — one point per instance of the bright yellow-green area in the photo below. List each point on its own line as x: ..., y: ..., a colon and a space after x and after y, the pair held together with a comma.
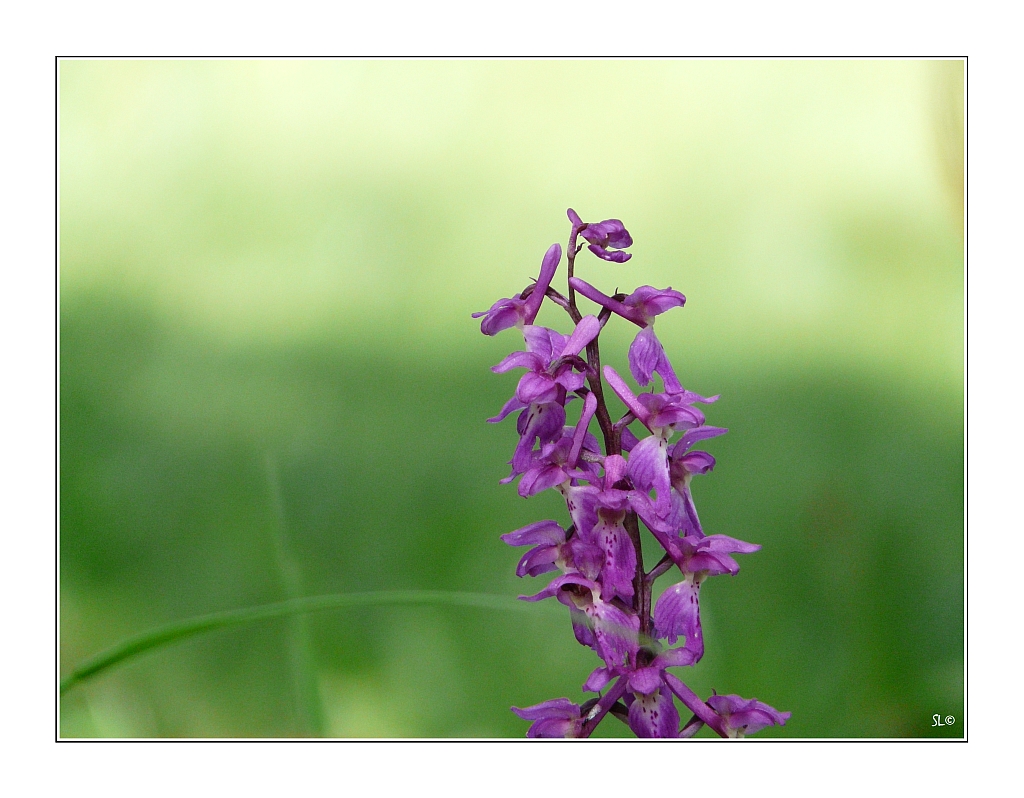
x: 800, y: 205
x: 279, y: 258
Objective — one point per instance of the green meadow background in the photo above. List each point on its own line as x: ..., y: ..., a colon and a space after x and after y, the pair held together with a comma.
x: 270, y: 384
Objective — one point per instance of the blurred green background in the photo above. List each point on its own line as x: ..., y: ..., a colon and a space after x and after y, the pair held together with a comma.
x: 271, y: 385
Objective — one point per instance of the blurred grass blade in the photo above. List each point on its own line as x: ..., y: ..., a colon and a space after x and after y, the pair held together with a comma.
x: 175, y: 632
x: 302, y: 664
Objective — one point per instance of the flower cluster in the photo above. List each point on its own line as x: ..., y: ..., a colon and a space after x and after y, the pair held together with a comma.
x: 636, y: 478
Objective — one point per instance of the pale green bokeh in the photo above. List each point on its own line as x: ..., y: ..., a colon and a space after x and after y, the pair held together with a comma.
x: 222, y: 221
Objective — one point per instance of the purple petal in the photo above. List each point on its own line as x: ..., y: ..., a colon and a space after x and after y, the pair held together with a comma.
x: 691, y: 728
x: 668, y: 375
x: 555, y: 585
x: 596, y: 233
x: 618, y: 236
x: 594, y: 295
x: 510, y: 406
x: 614, y: 469
x: 582, y: 628
x: 543, y: 342
x: 549, y: 532
x: 615, y: 257
x: 588, y: 558
x: 555, y: 708
x: 724, y: 543
x: 589, y: 406
x: 540, y: 478
x: 697, y: 462
x: 598, y: 679
x: 648, y: 468
x: 571, y: 381
x: 644, y: 355
x: 662, y: 525
x: 674, y: 658
x: 536, y: 387
x: 616, y: 633
x: 609, y: 233
x: 520, y: 360
x: 673, y: 414
x: 503, y: 314
x: 683, y: 515
x: 537, y: 561
x: 574, y: 218
x: 747, y: 715
x: 556, y: 718
x: 619, y: 561
x: 544, y: 422
x: 677, y: 613
x: 645, y: 680
x: 580, y: 501
x: 711, y: 553
x: 715, y: 564
x: 652, y: 301
x: 547, y: 271
x: 691, y: 436
x: 688, y: 397
x: 626, y: 395
x: 585, y: 332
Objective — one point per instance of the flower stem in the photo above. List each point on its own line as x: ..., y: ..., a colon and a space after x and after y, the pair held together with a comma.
x: 606, y: 703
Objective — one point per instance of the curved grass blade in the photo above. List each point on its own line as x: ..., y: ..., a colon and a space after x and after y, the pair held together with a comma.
x: 181, y: 630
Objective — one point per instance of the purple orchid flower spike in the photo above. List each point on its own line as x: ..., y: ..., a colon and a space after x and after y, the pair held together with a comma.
x: 518, y: 312
x: 743, y: 716
x: 601, y: 236
x: 601, y: 578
